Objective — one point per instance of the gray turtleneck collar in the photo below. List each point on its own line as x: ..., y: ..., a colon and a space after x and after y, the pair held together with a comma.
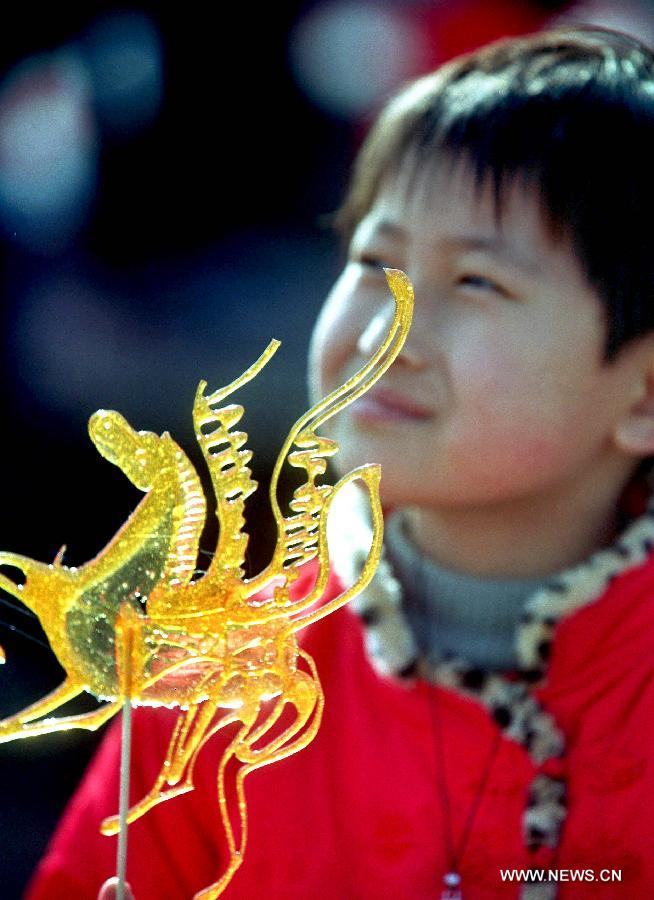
x: 454, y: 614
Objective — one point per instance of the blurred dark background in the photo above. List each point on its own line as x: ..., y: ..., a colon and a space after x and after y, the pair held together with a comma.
x: 166, y: 180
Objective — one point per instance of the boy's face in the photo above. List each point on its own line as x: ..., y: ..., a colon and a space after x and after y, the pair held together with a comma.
x: 501, y: 391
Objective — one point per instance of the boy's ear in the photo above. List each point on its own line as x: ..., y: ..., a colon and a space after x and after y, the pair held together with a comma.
x: 634, y: 433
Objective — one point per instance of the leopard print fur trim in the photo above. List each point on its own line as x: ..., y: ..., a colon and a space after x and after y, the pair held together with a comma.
x: 577, y: 587
x: 392, y: 651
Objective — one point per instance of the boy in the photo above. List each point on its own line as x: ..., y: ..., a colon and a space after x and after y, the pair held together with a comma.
x: 492, y: 707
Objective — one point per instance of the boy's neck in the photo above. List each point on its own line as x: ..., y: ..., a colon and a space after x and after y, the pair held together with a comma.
x: 523, y: 539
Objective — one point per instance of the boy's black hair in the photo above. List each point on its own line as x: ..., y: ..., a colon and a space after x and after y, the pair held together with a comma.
x: 570, y: 112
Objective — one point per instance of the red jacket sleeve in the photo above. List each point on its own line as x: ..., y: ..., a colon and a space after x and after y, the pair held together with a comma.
x: 173, y: 850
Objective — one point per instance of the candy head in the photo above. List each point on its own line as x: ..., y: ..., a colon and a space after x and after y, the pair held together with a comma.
x: 140, y: 454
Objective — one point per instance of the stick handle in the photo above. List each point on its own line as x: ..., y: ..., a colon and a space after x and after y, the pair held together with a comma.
x: 125, y: 666
x: 125, y: 748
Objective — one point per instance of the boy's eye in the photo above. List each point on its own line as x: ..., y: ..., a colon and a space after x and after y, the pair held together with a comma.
x: 369, y: 261
x: 478, y: 282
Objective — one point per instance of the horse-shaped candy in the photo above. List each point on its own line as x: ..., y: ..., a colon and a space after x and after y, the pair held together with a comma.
x: 140, y: 623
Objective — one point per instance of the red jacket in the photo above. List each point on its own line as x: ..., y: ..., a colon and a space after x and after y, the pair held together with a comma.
x: 358, y: 815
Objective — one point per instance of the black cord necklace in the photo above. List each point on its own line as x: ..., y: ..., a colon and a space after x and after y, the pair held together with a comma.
x: 452, y: 886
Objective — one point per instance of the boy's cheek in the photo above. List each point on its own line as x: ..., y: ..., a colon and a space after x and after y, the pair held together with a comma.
x: 521, y: 391
x: 525, y: 447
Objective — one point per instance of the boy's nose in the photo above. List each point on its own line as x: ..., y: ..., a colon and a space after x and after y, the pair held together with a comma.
x: 375, y: 332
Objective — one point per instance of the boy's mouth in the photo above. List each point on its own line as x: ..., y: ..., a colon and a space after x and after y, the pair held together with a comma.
x: 384, y: 405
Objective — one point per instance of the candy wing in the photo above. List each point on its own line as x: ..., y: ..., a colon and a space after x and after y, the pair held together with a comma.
x: 227, y: 462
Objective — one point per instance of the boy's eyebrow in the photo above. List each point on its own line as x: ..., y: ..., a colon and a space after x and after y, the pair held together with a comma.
x: 386, y: 228
x: 498, y: 247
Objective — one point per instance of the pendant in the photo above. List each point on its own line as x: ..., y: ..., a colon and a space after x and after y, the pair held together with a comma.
x: 452, y: 889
